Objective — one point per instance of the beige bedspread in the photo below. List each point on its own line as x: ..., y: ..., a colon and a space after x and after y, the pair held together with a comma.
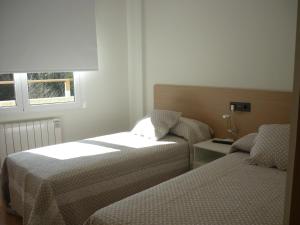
x: 227, y: 191
x: 65, y: 184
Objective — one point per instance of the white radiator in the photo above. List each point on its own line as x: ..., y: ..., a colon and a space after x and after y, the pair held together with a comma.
x: 24, y: 135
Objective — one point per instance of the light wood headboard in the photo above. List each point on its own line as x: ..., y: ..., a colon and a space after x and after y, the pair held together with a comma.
x: 208, y: 104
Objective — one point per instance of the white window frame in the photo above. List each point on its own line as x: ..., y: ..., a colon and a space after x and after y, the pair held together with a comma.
x: 22, y: 97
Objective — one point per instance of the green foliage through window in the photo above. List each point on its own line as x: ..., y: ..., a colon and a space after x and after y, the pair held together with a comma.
x: 7, y: 88
x: 49, y: 85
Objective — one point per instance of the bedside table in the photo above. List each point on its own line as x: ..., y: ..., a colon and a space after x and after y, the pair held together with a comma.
x: 207, y: 151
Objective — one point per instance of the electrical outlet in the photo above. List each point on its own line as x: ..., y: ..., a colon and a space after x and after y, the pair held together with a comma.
x: 241, y: 106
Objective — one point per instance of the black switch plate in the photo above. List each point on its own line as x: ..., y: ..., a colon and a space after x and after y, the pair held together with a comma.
x: 241, y: 106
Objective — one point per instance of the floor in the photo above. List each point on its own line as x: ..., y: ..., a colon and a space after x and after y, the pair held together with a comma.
x: 6, y: 219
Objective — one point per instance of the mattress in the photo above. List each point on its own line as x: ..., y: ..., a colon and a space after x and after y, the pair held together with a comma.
x: 227, y: 191
x: 64, y: 184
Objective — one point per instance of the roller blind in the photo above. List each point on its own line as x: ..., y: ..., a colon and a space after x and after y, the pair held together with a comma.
x: 47, y: 36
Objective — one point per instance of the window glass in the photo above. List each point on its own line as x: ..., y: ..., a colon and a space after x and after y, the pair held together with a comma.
x: 7, y: 90
x: 50, y: 88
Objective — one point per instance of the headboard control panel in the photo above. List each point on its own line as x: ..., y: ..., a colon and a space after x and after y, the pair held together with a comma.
x: 240, y: 106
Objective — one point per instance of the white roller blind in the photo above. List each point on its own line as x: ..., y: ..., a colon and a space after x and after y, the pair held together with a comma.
x: 47, y: 36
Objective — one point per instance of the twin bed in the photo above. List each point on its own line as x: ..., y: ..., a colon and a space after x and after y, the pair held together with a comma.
x: 84, y: 182
x: 227, y: 191
x: 65, y: 184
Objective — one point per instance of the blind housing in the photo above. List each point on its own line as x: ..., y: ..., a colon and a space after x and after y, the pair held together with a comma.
x: 47, y: 36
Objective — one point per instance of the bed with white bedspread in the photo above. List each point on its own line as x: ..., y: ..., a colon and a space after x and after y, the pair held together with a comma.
x: 66, y: 183
x: 227, y: 191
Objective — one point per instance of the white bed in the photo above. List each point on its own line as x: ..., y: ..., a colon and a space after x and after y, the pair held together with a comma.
x: 66, y: 183
x: 227, y: 191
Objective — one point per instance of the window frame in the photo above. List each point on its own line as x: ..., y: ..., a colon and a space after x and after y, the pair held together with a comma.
x: 23, y: 101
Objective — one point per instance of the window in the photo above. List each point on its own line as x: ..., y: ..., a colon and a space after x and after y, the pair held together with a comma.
x: 35, y: 91
x: 50, y: 88
x: 7, y: 90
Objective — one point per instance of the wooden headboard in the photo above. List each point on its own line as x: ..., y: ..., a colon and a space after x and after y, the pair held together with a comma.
x: 208, y: 104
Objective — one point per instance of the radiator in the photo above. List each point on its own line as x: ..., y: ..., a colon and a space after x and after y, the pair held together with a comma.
x: 24, y: 135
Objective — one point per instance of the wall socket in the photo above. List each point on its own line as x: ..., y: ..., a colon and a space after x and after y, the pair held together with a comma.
x: 241, y: 106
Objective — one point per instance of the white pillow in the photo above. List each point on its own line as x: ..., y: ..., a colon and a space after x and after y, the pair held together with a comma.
x: 192, y: 130
x: 157, y: 125
x: 245, y: 143
x: 272, y: 146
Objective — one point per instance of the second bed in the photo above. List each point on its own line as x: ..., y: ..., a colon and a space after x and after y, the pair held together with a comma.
x: 227, y: 191
x: 66, y: 183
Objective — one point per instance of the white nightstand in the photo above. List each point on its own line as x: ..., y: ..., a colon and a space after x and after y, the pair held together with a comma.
x: 207, y: 151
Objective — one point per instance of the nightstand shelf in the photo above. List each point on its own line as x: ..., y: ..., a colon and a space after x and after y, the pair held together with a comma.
x: 207, y: 151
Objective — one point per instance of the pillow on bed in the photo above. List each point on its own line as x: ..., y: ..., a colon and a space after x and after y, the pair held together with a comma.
x: 244, y: 144
x: 192, y: 130
x: 271, y: 146
x: 157, y: 125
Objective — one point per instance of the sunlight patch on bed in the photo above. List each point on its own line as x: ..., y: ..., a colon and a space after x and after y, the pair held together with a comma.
x: 130, y: 140
x: 72, y: 150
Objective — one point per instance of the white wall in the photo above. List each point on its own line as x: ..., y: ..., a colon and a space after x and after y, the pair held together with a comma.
x: 232, y: 43
x: 105, y: 91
